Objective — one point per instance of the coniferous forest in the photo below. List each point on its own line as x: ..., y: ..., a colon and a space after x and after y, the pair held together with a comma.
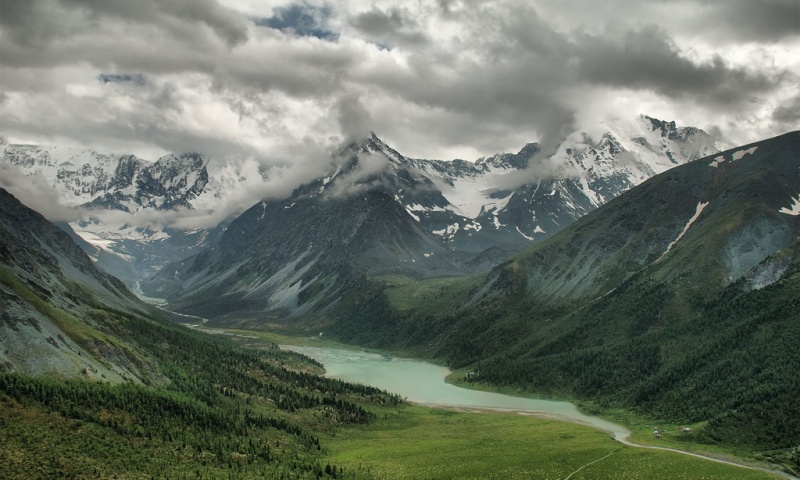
x: 218, y: 411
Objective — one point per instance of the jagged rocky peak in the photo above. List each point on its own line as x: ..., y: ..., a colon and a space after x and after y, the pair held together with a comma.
x: 183, y: 161
x: 372, y: 144
x: 671, y: 130
x: 127, y: 169
x: 181, y: 171
x: 507, y: 161
x: 364, y: 160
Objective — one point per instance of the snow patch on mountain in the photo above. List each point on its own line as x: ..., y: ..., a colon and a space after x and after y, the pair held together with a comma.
x: 738, y: 155
x: 741, y: 153
x: 526, y: 237
x: 470, y: 194
x: 447, y: 232
x: 794, y: 209
x: 698, y: 210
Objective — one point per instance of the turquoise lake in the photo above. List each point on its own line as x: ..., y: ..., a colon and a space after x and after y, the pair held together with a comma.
x: 424, y: 383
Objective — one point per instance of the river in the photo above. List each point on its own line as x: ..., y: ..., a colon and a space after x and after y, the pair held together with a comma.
x: 424, y: 383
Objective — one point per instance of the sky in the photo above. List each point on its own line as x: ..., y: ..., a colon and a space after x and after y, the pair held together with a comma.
x: 278, y: 82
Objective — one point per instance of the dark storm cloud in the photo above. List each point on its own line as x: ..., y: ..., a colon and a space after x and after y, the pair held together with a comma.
x: 37, y: 20
x: 301, y: 70
x: 394, y: 26
x: 94, y: 121
x: 787, y: 116
x: 52, y: 32
x: 748, y: 20
x: 512, y: 75
x: 513, y: 68
x: 136, y: 79
x: 227, y: 25
x: 303, y: 19
x: 354, y: 119
x: 480, y: 76
x: 648, y: 59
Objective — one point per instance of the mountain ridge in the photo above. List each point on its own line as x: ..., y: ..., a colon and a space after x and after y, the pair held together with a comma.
x: 501, y: 202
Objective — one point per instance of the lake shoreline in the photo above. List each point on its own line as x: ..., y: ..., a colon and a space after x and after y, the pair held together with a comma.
x: 619, y: 433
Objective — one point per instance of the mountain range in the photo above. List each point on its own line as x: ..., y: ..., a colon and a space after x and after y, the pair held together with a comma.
x: 130, y: 246
x: 378, y: 212
x: 494, y: 206
x: 678, y: 298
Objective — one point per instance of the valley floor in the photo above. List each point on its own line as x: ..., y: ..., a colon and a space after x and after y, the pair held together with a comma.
x: 420, y: 442
x: 423, y: 442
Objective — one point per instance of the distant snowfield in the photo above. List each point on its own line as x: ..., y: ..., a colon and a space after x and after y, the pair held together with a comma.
x: 470, y: 195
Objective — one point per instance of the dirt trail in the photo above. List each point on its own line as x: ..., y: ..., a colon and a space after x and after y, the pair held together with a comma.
x: 625, y: 441
x: 584, y: 466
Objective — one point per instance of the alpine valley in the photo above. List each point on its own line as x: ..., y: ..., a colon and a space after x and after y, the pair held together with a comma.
x: 678, y: 299
x: 642, y: 269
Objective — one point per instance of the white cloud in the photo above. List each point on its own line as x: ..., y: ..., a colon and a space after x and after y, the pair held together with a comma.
x: 365, y: 175
x: 436, y: 79
x: 36, y: 193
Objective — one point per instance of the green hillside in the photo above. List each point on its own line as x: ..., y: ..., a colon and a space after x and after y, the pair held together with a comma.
x: 222, y: 411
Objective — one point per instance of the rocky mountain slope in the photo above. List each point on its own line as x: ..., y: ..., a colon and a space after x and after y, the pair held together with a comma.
x: 728, y: 213
x: 109, y: 388
x: 728, y: 219
x: 54, y: 299
x: 287, y: 258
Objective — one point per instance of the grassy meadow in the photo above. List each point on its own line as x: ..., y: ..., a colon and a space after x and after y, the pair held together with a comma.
x: 424, y: 443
